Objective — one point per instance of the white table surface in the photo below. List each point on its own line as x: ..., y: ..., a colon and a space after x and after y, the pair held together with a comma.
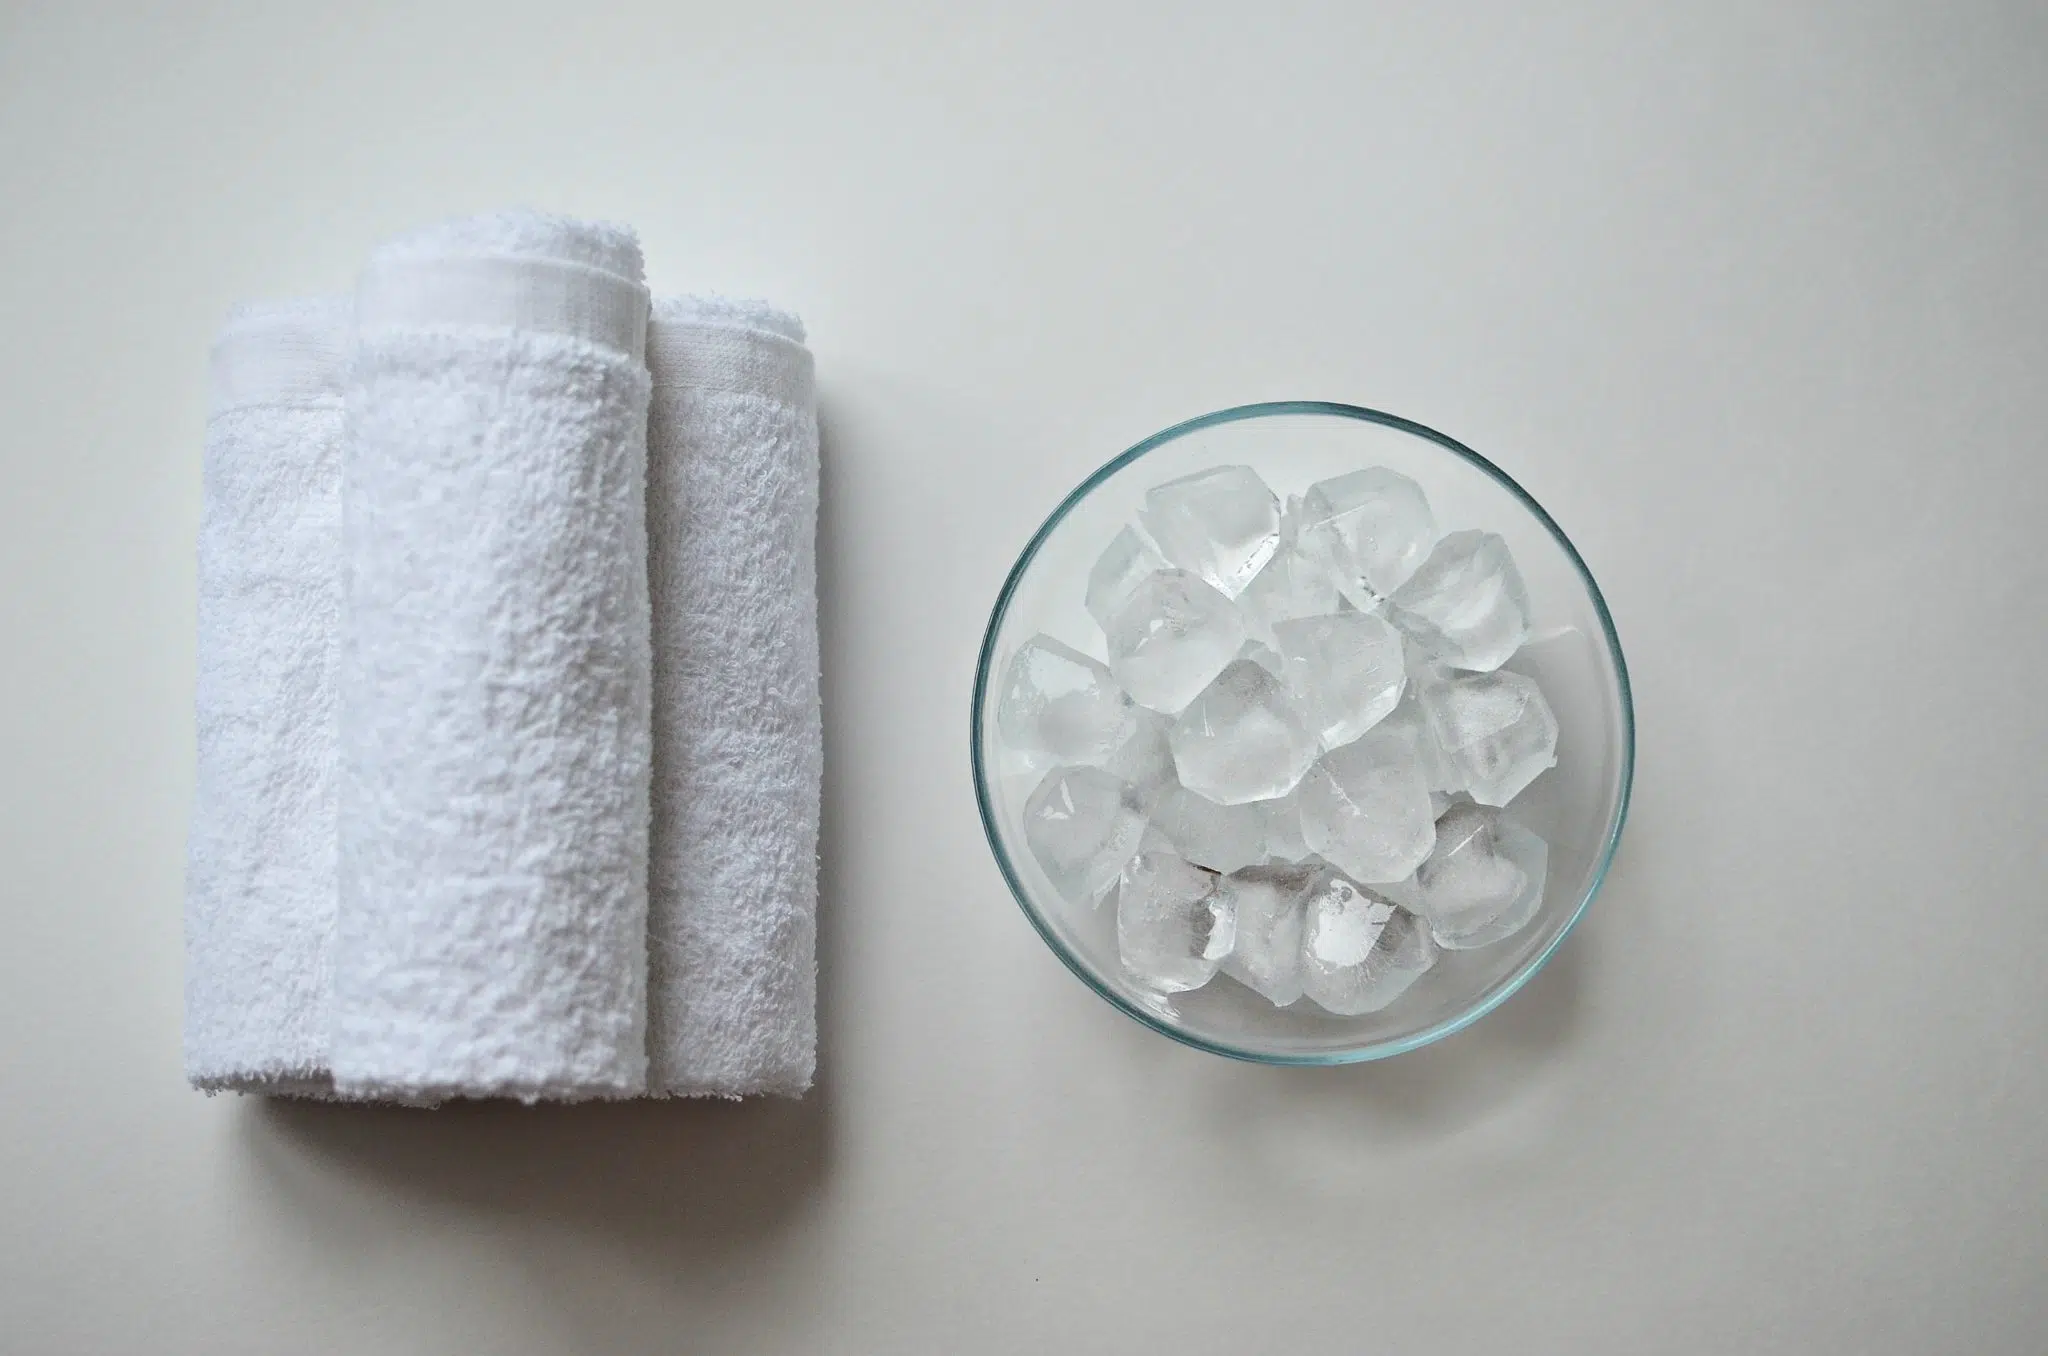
x: 1753, y: 296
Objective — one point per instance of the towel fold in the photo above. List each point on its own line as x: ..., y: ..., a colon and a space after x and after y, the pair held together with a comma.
x: 260, y: 886
x: 495, y: 668
x: 732, y: 497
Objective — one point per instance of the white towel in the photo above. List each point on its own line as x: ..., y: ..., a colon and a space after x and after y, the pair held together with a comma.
x: 495, y: 668
x: 259, y: 895
x: 732, y: 507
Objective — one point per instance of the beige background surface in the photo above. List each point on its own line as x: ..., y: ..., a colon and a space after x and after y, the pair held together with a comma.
x: 1752, y: 296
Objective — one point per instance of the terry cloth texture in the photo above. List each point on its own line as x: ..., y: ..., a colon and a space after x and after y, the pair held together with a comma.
x: 259, y: 892
x: 495, y: 673
x: 738, y: 749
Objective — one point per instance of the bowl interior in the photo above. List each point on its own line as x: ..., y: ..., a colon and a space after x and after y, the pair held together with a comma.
x: 1578, y: 806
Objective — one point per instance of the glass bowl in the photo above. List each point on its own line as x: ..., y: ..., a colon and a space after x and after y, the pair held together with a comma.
x: 1578, y: 805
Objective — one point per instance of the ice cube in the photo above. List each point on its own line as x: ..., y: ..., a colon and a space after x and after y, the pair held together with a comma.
x: 1223, y: 524
x: 1359, y: 952
x: 1346, y: 669
x: 1243, y: 738
x: 1369, y: 529
x: 1170, y: 638
x: 1127, y: 562
x: 1404, y: 892
x: 1270, y: 903
x: 1466, y: 607
x: 1172, y: 926
x: 1411, y: 719
x: 1057, y: 700
x: 1484, y: 881
x: 1144, y: 761
x: 1220, y: 837
x: 1082, y: 826
x: 1265, y: 656
x: 1293, y: 584
x: 1365, y: 807
x: 1283, y: 828
x: 1496, y: 728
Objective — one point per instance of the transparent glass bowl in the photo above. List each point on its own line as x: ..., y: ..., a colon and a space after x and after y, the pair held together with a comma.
x: 1578, y: 806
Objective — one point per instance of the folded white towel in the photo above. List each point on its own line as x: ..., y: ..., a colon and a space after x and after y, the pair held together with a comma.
x: 732, y: 506
x: 259, y: 905
x: 495, y: 668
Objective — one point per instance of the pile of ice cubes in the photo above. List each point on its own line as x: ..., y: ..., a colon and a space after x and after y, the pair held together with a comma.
x: 1292, y: 769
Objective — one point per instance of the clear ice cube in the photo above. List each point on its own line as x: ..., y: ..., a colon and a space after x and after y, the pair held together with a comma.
x: 1243, y: 738
x: 1082, y: 827
x: 1467, y: 606
x: 1365, y: 807
x: 1404, y: 892
x: 1144, y: 761
x: 1359, y: 952
x: 1410, y: 719
x: 1172, y: 926
x: 1265, y: 656
x: 1223, y: 524
x: 1484, y: 881
x: 1496, y: 728
x: 1293, y: 584
x: 1270, y: 903
x: 1346, y: 669
x: 1171, y: 637
x: 1369, y: 530
x: 1128, y: 561
x: 1057, y: 700
x: 1284, y: 842
x: 1220, y: 837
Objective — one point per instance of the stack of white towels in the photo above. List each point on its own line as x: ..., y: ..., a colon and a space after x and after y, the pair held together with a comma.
x: 509, y: 743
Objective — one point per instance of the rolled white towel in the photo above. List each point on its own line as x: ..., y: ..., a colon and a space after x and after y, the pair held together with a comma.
x: 259, y: 892
x: 738, y: 752
x: 495, y: 668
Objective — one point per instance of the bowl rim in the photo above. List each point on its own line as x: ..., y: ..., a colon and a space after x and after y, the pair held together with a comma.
x: 986, y: 661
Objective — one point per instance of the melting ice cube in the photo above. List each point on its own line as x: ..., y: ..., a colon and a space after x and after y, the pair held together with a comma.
x: 1293, y: 584
x: 1284, y: 842
x: 1220, y: 837
x: 1057, y: 700
x: 1271, y: 906
x: 1410, y: 719
x: 1347, y: 670
x: 1496, y: 728
x: 1484, y: 881
x: 1370, y: 529
x: 1467, y: 606
x: 1359, y: 952
x: 1082, y: 826
x: 1170, y: 638
x: 1172, y: 927
x: 1365, y: 807
x: 1223, y: 524
x: 1144, y: 761
x: 1243, y: 738
x: 1128, y: 561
